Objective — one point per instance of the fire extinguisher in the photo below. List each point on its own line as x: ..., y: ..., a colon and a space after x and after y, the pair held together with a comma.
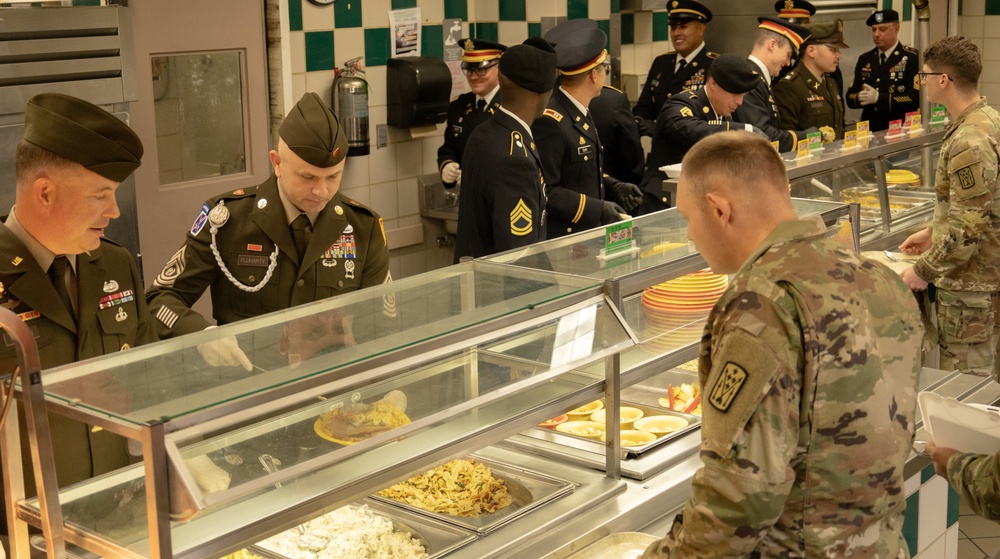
x: 350, y: 102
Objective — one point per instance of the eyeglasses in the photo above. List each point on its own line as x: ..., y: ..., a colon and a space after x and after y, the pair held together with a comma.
x: 478, y: 71
x: 923, y: 75
x: 607, y: 67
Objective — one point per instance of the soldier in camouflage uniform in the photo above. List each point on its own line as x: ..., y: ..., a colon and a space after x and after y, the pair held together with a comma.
x: 961, y: 249
x: 808, y: 370
x: 976, y: 477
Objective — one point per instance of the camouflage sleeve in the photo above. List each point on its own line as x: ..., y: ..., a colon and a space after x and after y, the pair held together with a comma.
x: 750, y: 429
x: 976, y: 477
x: 961, y: 220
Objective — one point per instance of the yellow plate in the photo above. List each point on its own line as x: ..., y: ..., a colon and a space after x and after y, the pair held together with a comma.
x: 661, y: 248
x: 326, y: 434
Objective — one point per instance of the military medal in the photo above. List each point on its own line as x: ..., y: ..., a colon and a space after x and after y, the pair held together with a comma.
x: 329, y: 262
x: 109, y: 286
x: 121, y: 315
x: 262, y: 203
x: 349, y: 269
x: 218, y: 216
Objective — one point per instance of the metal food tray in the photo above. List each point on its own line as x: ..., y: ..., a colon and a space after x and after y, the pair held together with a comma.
x: 438, y: 538
x: 528, y: 490
x: 596, y: 446
x: 623, y: 545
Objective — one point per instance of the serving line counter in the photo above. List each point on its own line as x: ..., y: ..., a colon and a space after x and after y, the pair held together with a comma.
x: 891, y: 178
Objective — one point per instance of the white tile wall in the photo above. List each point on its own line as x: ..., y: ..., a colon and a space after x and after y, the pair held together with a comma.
x: 485, y: 10
x: 512, y: 32
x: 432, y: 11
x: 316, y: 18
x: 375, y: 13
x: 536, y: 9
x: 599, y: 10
x: 345, y: 45
x: 933, y: 519
x: 992, y: 27
x: 973, y: 7
x: 972, y: 27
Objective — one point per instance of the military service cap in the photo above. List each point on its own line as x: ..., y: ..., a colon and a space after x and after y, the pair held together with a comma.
x: 313, y: 132
x: 882, y: 16
x: 581, y: 51
x: 794, y: 9
x: 828, y: 33
x: 687, y: 10
x: 734, y: 73
x: 792, y: 31
x: 531, y: 65
x: 477, y: 53
x: 567, y: 28
x: 83, y: 133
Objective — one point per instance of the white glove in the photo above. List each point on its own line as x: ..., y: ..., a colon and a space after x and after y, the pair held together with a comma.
x: 868, y: 95
x: 209, y: 477
x: 224, y: 352
x: 451, y: 173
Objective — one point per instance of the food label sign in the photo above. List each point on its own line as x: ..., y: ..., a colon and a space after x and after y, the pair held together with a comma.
x: 618, y: 237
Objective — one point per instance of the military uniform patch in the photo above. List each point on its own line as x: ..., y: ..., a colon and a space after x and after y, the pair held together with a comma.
x: 728, y: 386
x: 686, y: 111
x: 554, y: 114
x: 966, y: 177
x: 174, y: 267
x: 199, y: 222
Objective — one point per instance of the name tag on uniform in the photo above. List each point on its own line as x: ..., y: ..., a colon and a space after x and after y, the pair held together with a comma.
x: 253, y: 260
x: 585, y: 150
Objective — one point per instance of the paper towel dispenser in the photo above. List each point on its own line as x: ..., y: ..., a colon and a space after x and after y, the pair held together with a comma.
x: 419, y: 90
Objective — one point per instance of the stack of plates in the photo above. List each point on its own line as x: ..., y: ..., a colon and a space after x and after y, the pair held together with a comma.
x: 902, y: 177
x: 674, y: 309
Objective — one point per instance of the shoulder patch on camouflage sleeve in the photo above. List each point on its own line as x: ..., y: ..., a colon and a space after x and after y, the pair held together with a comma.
x: 520, y: 219
x: 554, y: 114
x: 728, y: 386
x: 966, y: 168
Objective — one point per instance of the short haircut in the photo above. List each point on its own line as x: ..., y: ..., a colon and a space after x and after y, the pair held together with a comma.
x: 575, y: 79
x: 762, y: 36
x: 959, y: 58
x: 30, y: 159
x: 739, y: 159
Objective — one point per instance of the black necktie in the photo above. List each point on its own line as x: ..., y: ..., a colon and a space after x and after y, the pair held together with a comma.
x: 58, y: 273
x: 301, y: 231
x: 881, y: 59
x: 681, y: 63
x: 481, y: 105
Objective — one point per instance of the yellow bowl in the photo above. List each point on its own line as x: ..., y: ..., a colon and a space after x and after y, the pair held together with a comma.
x: 660, y: 424
x: 626, y: 416
x: 583, y: 412
x: 632, y: 437
x: 586, y: 429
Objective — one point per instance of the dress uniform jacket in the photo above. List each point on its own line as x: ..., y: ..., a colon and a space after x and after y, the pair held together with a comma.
x: 619, y: 135
x: 897, y: 83
x: 809, y: 401
x: 112, y: 317
x: 685, y: 119
x: 347, y: 251
x: 502, y: 205
x: 760, y: 110
x: 463, y: 118
x: 572, y: 156
x: 662, y: 84
x: 804, y: 101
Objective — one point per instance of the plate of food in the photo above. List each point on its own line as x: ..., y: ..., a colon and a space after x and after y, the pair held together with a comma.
x: 354, y: 423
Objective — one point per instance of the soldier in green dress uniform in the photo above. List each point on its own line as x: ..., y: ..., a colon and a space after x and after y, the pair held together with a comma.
x: 291, y: 240
x: 78, y: 293
x: 808, y: 96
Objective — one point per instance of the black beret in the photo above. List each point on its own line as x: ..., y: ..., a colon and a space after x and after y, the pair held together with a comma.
x: 882, y: 16
x: 828, y: 33
x: 581, y: 51
x: 734, y: 73
x: 794, y: 9
x: 794, y: 32
x: 687, y: 10
x: 480, y: 52
x: 567, y: 28
x: 313, y: 132
x: 531, y: 65
x: 83, y: 133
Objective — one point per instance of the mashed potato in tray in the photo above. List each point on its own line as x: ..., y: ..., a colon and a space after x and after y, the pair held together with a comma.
x: 458, y: 488
x: 346, y: 533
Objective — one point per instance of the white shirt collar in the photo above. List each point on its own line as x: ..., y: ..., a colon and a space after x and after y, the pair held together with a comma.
x: 489, y: 96
x: 690, y: 58
x: 889, y: 52
x: 573, y: 100
x: 519, y: 121
x: 763, y: 69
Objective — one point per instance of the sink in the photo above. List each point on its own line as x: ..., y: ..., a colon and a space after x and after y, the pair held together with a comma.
x: 438, y: 202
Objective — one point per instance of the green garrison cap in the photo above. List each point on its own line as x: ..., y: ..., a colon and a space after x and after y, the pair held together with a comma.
x: 829, y: 33
x: 84, y: 133
x: 313, y: 132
